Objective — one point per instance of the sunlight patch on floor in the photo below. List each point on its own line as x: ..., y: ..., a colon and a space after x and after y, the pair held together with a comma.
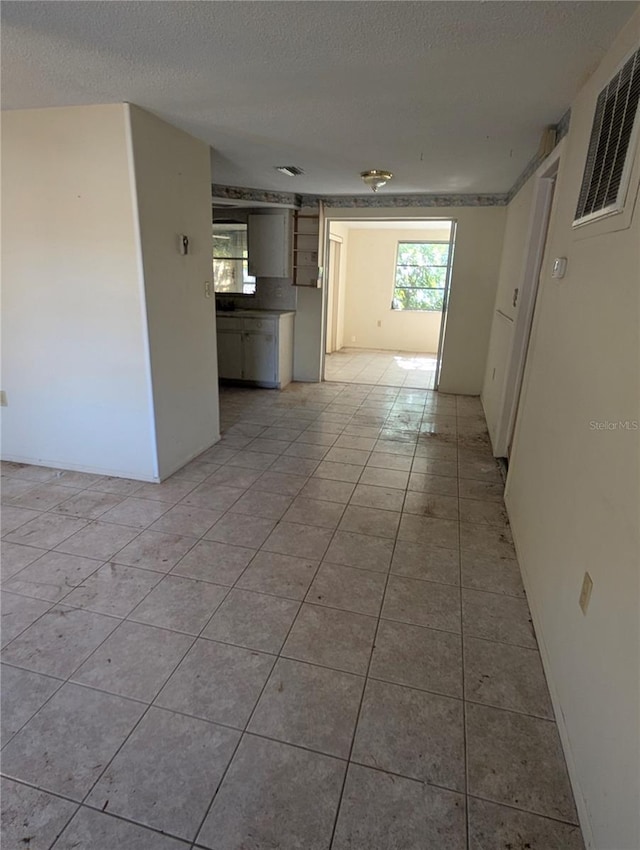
x: 381, y: 368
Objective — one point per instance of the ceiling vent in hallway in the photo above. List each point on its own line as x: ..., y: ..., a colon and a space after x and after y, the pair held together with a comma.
x: 289, y: 170
x: 613, y: 137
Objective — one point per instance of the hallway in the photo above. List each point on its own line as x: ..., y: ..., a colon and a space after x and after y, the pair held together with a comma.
x: 313, y: 636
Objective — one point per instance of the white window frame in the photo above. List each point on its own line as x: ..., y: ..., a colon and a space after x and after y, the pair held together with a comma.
x: 442, y: 289
x: 242, y: 267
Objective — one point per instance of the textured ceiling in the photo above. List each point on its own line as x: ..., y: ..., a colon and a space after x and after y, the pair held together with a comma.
x: 450, y: 96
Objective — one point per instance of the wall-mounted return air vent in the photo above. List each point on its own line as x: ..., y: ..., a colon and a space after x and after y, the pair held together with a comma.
x: 611, y: 148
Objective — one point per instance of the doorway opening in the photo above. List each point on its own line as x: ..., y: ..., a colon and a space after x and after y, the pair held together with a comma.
x: 386, y: 300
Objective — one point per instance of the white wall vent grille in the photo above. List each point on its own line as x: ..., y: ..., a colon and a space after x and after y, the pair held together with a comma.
x: 613, y: 135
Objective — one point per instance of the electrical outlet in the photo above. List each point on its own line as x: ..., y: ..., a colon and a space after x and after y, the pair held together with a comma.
x: 379, y: 323
x: 353, y: 339
x: 585, y: 593
x: 278, y: 292
x: 207, y: 289
x: 3, y: 398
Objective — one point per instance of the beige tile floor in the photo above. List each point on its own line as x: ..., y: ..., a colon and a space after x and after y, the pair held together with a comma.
x: 381, y: 368
x: 313, y: 636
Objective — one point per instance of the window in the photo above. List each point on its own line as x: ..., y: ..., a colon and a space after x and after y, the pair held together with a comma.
x: 615, y: 126
x: 421, y: 275
x: 230, y: 269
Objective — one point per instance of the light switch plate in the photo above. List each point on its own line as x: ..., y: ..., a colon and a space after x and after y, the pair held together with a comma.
x: 559, y: 268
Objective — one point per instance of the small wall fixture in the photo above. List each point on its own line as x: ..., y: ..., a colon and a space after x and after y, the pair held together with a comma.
x: 375, y: 178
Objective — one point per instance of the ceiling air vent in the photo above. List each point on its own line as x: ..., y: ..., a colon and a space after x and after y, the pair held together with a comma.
x: 613, y: 136
x: 289, y: 170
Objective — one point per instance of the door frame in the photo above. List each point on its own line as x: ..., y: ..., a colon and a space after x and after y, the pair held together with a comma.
x: 333, y: 293
x: 341, y: 219
x: 528, y: 284
x: 445, y: 303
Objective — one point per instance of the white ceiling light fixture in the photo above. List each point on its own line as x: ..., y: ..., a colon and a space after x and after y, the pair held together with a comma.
x: 375, y: 178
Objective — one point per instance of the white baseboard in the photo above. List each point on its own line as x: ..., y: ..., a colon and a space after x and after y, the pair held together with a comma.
x: 97, y: 470
x: 78, y: 467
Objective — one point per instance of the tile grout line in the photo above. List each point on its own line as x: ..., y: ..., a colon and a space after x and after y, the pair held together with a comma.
x: 267, y: 679
x: 463, y: 682
x: 204, y: 538
x: 321, y: 561
x: 89, y: 610
x: 305, y: 749
x: 245, y: 731
x: 148, y: 705
x: 364, y: 689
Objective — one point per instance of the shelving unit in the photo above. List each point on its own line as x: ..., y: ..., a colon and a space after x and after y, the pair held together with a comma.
x: 306, y: 234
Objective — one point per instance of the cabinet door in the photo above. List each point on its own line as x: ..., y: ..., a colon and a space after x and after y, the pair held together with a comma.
x: 259, y: 357
x: 229, y: 354
x: 268, y: 245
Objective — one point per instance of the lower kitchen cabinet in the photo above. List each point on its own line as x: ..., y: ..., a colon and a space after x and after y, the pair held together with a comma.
x: 260, y: 360
x: 229, y: 353
x: 256, y: 347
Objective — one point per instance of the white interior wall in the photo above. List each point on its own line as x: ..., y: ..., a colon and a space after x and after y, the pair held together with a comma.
x: 74, y: 350
x: 370, y: 277
x: 172, y: 172
x: 501, y: 337
x: 473, y: 287
x: 573, y: 489
x: 307, y: 338
x: 474, y: 279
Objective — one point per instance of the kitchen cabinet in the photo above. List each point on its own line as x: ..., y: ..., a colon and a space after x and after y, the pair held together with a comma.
x: 259, y: 354
x: 269, y: 245
x: 229, y: 353
x: 256, y: 346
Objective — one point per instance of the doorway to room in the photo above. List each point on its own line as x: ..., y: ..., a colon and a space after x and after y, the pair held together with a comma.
x: 386, y: 300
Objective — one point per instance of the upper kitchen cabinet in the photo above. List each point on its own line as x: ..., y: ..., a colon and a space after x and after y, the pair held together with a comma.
x: 269, y: 244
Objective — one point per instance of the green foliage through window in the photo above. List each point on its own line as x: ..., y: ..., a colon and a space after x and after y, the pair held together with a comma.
x: 421, y: 275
